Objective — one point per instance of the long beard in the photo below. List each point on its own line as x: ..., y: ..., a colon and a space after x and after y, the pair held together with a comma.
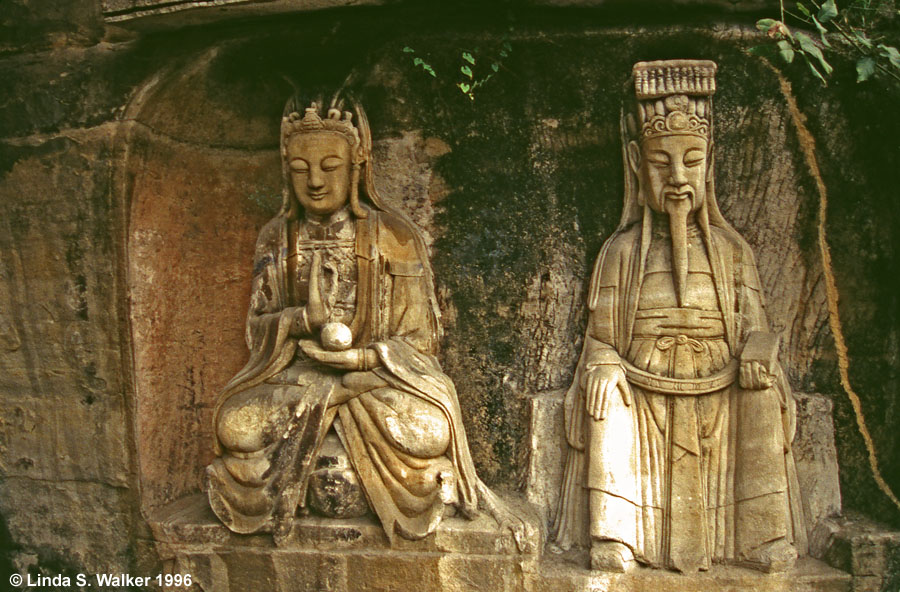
x: 678, y: 211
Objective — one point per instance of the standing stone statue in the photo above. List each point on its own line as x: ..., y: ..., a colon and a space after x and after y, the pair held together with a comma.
x: 679, y: 420
x: 342, y: 406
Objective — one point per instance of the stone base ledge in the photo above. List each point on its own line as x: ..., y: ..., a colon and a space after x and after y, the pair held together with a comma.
x: 568, y: 573
x: 326, y: 555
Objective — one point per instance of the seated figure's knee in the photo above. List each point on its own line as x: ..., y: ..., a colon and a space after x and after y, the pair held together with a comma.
x: 240, y: 429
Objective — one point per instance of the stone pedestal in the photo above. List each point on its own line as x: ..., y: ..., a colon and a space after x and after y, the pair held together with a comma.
x: 339, y: 555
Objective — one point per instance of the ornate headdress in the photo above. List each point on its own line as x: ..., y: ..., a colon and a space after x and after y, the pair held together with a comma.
x: 675, y: 97
x: 311, y: 122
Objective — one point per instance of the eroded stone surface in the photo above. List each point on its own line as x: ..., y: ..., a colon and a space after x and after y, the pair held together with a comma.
x: 816, y: 458
x: 869, y: 551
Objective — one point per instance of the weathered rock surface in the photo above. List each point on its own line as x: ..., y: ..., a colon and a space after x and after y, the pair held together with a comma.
x: 869, y: 551
x: 816, y: 459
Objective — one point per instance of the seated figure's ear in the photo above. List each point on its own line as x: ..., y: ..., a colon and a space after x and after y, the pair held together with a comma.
x: 634, y: 156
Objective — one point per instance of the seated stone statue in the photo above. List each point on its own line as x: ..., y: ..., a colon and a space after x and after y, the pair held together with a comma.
x: 342, y: 406
x: 679, y: 420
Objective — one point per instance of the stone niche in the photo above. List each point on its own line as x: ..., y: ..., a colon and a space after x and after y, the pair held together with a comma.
x: 515, y: 198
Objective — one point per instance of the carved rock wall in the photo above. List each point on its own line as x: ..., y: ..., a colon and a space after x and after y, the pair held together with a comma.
x: 134, y: 176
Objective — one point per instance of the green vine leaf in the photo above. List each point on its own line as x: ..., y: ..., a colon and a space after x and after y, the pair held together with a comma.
x: 464, y: 87
x: 891, y: 54
x: 804, y: 10
x: 765, y: 25
x: 822, y: 30
x: 828, y: 11
x: 816, y: 72
x: 865, y: 69
x: 408, y: 49
x: 468, y: 57
x: 467, y: 71
x: 495, y: 67
x: 786, y: 51
x: 809, y: 47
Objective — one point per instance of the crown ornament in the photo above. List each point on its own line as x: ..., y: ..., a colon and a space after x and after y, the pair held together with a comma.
x: 675, y: 97
x: 311, y: 122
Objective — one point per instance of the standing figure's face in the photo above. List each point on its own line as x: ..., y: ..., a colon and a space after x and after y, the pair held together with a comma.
x: 671, y: 169
x: 320, y: 168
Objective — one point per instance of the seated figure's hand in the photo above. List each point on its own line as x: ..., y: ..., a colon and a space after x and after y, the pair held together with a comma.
x: 601, y: 383
x: 348, y: 359
x: 755, y: 376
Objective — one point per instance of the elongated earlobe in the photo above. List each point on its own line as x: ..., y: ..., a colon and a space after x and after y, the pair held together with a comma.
x: 355, y: 207
x: 634, y: 156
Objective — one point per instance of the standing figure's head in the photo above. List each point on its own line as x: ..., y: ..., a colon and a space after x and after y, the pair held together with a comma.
x: 322, y: 158
x: 668, y: 153
x: 671, y: 143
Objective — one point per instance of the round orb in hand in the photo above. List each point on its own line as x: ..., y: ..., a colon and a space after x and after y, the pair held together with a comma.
x: 336, y: 336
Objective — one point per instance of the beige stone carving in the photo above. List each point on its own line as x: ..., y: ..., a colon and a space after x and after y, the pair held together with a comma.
x: 679, y: 419
x: 342, y: 406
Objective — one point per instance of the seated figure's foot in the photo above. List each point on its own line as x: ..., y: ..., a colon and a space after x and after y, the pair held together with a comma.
x: 611, y: 556
x: 775, y: 556
x: 334, y: 487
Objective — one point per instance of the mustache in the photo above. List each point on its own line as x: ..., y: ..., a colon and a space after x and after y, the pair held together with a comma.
x: 678, y: 192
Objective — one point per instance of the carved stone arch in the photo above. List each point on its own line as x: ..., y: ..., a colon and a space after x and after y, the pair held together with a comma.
x: 199, y: 173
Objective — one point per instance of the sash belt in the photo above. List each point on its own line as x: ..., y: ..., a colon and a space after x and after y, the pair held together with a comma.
x: 682, y: 386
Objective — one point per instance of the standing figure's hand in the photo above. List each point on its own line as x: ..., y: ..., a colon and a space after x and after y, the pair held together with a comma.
x: 755, y: 376
x: 600, y: 384
x: 316, y: 309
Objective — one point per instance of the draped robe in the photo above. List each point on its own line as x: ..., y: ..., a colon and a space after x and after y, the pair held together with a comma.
x: 405, y: 440
x: 697, y: 469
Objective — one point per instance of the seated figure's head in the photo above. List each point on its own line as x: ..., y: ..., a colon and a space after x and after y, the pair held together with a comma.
x: 322, y: 158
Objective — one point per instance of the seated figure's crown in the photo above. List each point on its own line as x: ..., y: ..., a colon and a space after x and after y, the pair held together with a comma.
x: 674, y: 96
x: 334, y: 121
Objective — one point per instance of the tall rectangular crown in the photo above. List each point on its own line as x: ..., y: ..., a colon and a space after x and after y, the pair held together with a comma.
x: 664, y: 78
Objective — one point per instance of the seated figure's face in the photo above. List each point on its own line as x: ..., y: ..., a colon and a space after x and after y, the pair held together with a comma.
x: 673, y: 168
x: 320, y: 166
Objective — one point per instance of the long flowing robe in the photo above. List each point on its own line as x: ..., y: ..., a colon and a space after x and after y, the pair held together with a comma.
x: 407, y: 472
x: 683, y: 479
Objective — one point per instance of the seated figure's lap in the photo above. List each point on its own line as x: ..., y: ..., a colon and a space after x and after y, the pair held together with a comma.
x: 253, y: 419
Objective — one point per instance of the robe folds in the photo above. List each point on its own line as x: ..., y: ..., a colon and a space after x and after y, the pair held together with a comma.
x: 696, y: 469
x: 405, y: 440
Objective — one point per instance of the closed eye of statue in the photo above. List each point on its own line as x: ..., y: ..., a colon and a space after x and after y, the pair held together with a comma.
x: 694, y: 157
x: 298, y: 165
x: 331, y: 163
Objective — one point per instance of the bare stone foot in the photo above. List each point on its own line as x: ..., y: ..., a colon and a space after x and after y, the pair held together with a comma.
x: 611, y: 556
x: 775, y: 556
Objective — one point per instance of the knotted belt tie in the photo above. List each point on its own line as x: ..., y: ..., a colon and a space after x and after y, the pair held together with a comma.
x: 665, y: 343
